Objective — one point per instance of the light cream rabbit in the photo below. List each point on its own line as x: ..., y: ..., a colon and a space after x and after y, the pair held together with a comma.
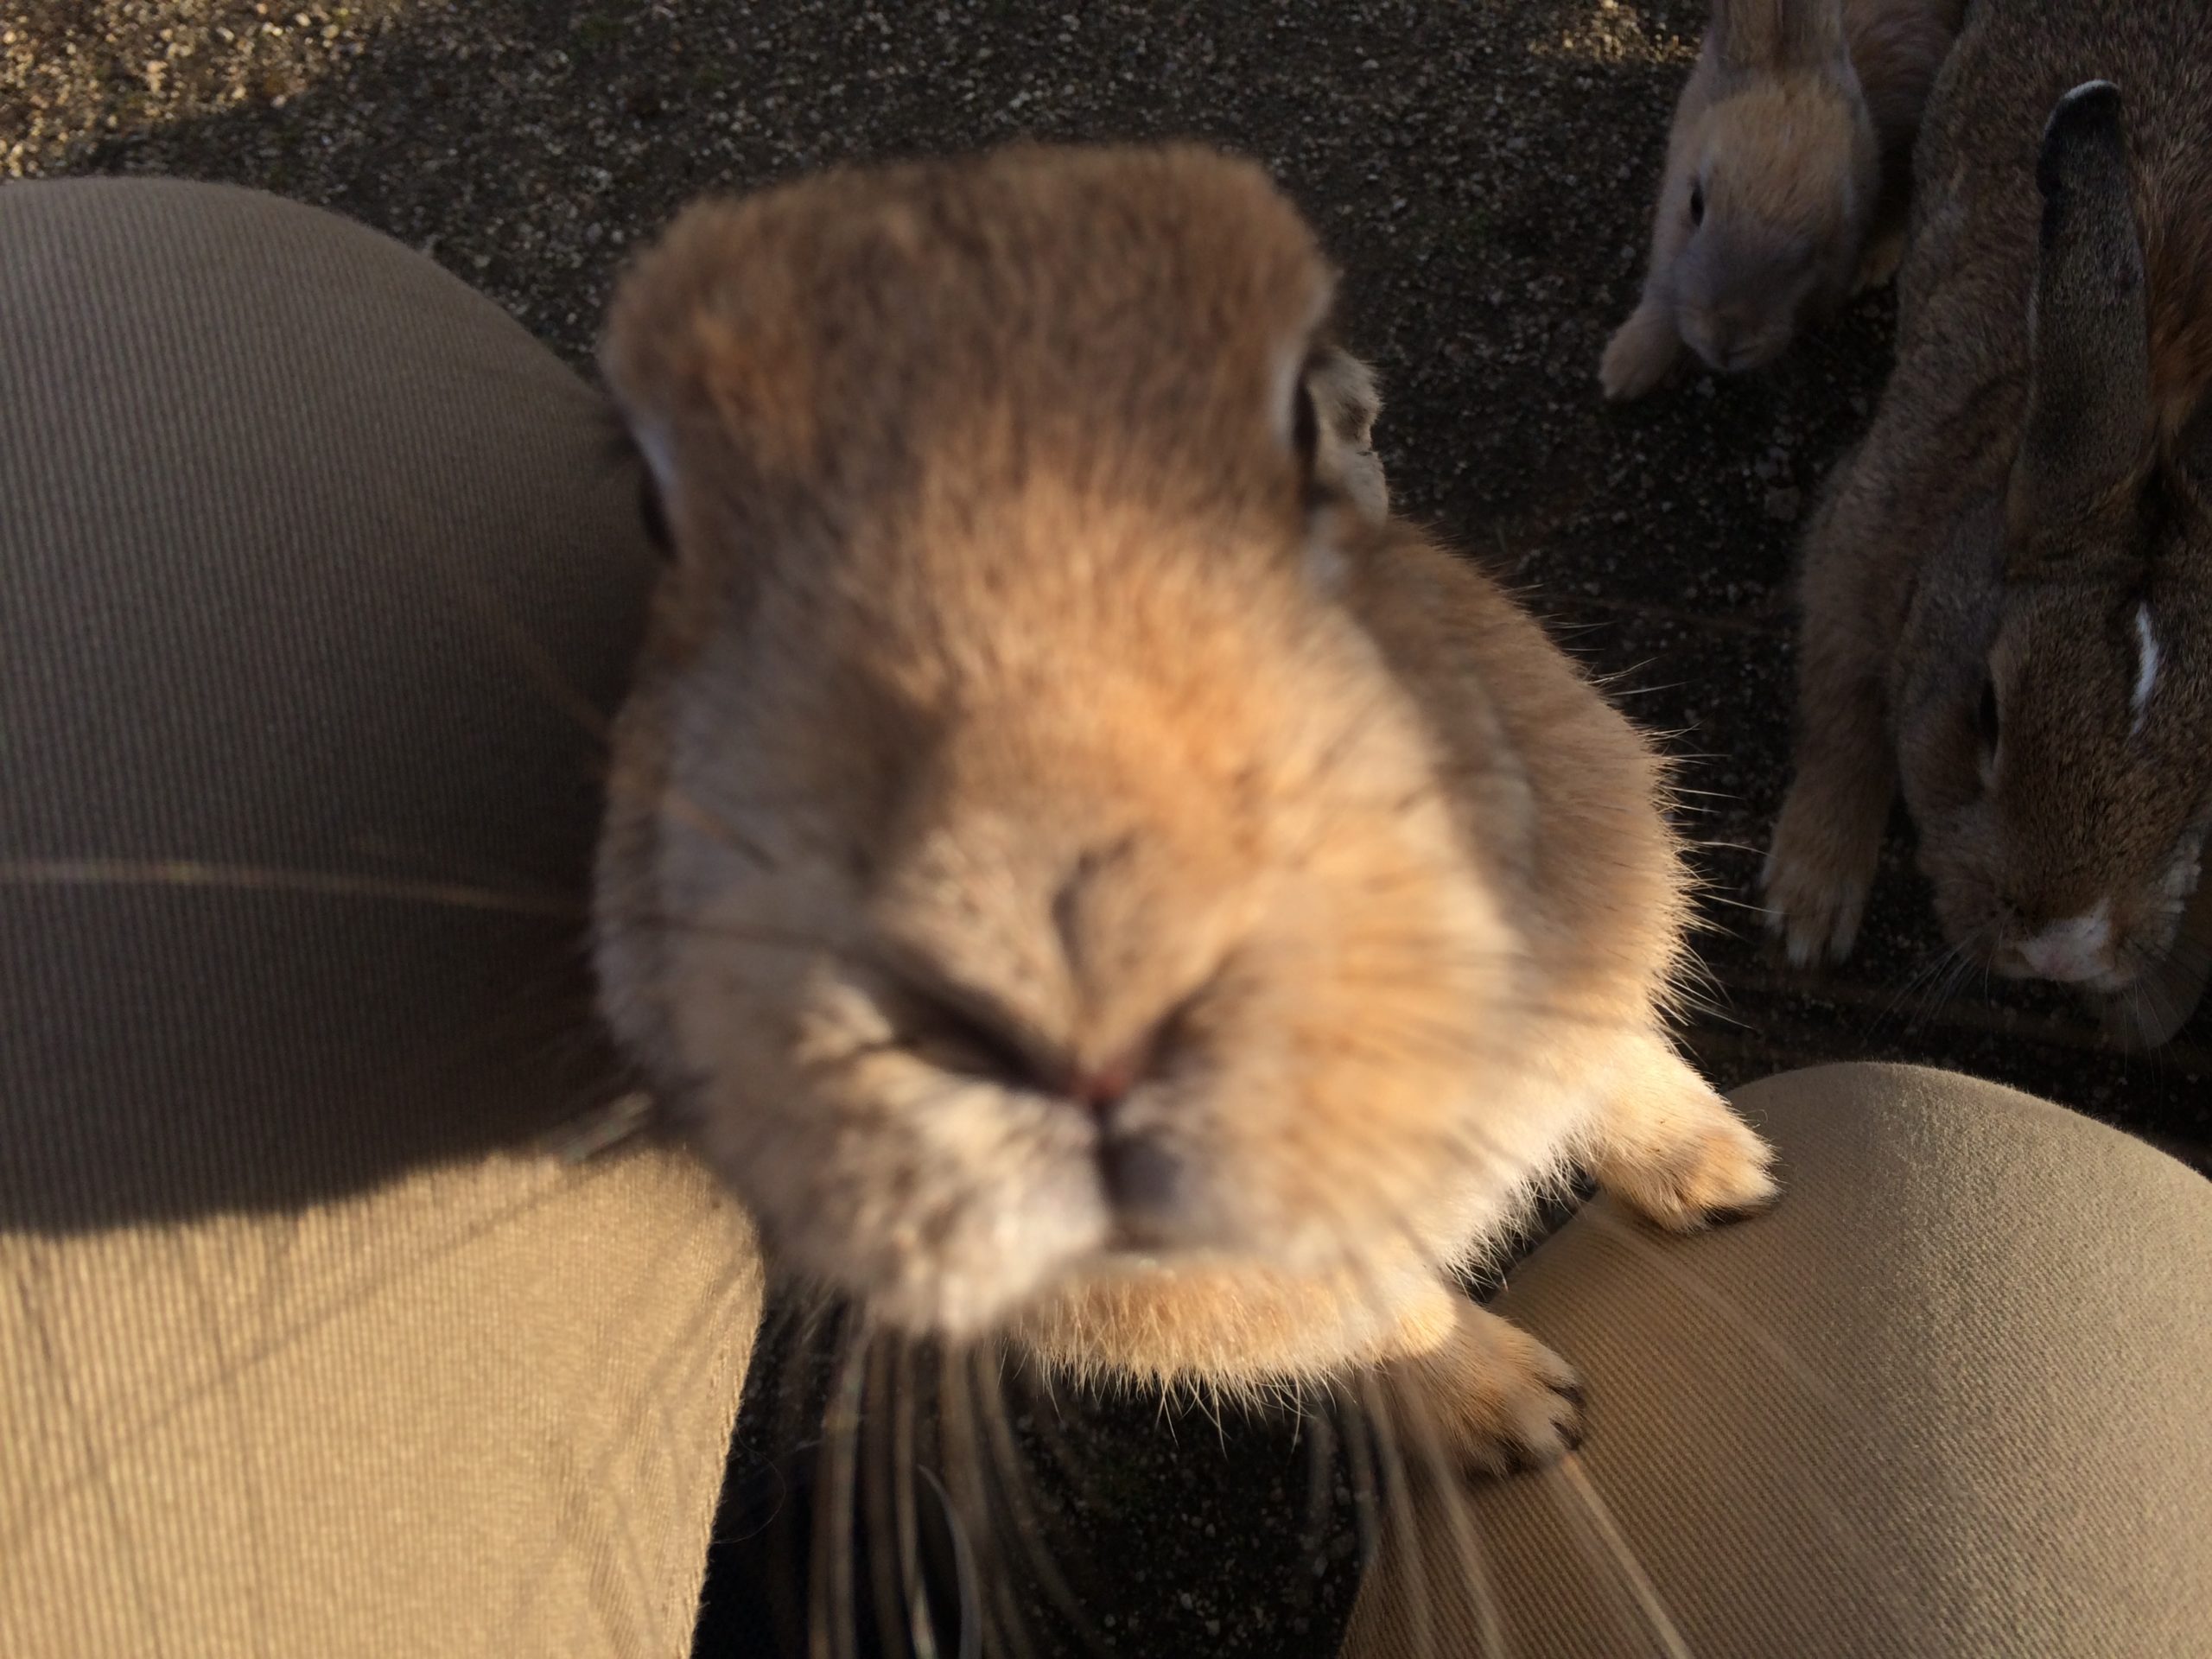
x: 1076, y: 880
x: 1788, y: 173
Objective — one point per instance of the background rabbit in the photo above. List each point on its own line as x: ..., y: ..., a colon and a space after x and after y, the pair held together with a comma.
x: 2008, y: 587
x: 1072, y: 876
x: 1787, y: 179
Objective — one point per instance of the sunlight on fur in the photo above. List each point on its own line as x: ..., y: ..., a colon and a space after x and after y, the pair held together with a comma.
x: 1095, y: 885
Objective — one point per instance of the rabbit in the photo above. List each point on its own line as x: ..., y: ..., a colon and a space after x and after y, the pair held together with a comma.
x: 1786, y: 182
x: 2007, y: 586
x: 1082, y: 880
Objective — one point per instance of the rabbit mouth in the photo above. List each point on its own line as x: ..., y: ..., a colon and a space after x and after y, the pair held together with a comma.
x: 1028, y: 1226
x: 1731, y: 339
x: 2106, y: 977
x: 2083, y: 950
x: 1741, y: 356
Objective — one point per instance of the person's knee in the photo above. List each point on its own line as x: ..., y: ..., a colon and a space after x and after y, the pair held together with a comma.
x: 1850, y: 1122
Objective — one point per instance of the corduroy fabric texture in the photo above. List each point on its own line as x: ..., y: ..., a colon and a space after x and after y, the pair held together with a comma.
x: 1951, y: 1398
x: 317, y: 577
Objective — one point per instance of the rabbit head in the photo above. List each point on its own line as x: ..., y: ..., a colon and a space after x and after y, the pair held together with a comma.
x: 2058, y: 691
x: 1019, y: 859
x: 1772, y: 181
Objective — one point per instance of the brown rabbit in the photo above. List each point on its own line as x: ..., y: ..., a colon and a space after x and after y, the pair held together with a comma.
x: 1073, y: 877
x: 2008, y: 586
x: 1788, y: 173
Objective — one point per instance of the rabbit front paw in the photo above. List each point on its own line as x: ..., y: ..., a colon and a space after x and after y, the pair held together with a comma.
x: 1490, y: 1396
x: 1675, y: 1153
x: 1641, y: 353
x: 1878, y: 262
x: 1723, y: 1173
x: 1818, y: 877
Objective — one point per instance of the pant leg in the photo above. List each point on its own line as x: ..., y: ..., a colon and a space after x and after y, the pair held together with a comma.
x: 317, y: 576
x: 1950, y: 1399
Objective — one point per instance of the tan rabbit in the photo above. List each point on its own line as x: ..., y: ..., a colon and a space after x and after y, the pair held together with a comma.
x: 2008, y: 586
x: 1787, y: 179
x: 1073, y: 879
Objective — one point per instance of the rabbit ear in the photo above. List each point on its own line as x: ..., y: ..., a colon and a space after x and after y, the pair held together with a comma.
x: 1347, y: 386
x: 2088, y: 437
x: 1768, y: 34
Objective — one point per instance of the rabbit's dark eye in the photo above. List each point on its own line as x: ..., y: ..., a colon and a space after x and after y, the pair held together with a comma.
x: 966, y: 1035
x: 1986, y: 716
x: 1697, y: 202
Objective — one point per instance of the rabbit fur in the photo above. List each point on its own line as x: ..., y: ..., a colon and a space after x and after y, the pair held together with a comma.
x: 1080, y: 874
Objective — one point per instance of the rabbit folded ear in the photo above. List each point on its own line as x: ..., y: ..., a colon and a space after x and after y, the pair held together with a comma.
x: 1771, y: 35
x: 2088, y: 438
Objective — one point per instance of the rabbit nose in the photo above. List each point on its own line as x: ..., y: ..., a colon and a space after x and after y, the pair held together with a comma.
x: 1713, y: 336
x: 1099, y: 1088
x: 2075, y: 949
x: 1732, y: 333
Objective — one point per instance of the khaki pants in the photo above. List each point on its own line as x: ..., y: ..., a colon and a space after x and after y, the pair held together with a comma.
x: 316, y: 578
